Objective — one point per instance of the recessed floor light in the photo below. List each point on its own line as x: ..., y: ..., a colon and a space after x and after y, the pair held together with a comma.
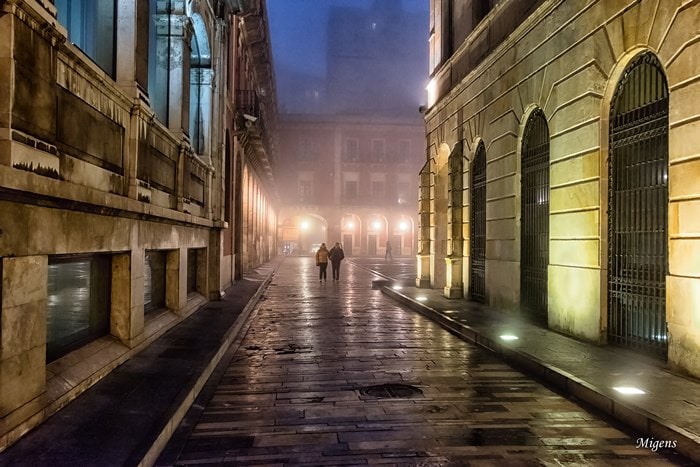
x: 422, y: 298
x: 509, y: 337
x: 628, y: 390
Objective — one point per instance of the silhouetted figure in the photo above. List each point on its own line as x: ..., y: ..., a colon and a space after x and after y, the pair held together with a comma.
x: 387, y: 253
x: 322, y: 262
x: 336, y: 255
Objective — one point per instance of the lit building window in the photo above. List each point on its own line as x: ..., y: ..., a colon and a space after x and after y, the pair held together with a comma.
x: 90, y: 25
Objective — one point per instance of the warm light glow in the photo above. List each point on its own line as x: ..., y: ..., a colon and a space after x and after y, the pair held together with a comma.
x: 432, y: 92
x: 422, y: 298
x: 509, y: 337
x: 349, y: 225
x: 628, y: 390
x: 304, y: 225
x: 376, y: 225
x: 397, y: 287
x: 403, y: 226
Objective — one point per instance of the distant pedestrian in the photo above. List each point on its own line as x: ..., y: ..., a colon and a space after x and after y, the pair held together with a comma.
x: 387, y: 252
x: 336, y: 254
x: 322, y: 262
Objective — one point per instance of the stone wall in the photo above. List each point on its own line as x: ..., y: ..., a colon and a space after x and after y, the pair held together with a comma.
x: 567, y: 59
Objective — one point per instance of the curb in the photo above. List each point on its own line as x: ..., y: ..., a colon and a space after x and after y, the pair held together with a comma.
x: 178, y: 413
x: 688, y: 444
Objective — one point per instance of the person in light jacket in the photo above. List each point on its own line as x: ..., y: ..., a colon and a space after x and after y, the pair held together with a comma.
x: 322, y: 262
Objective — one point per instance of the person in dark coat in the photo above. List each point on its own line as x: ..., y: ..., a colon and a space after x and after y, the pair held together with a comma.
x: 336, y: 255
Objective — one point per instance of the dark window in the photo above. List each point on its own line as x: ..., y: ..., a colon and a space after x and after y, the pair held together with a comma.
x: 154, y: 281
x: 404, y: 151
x: 90, y: 25
x: 192, y: 258
x: 307, y: 150
x: 305, y: 190
x: 350, y: 189
x: 78, y: 304
x: 378, y: 151
x: 351, y: 152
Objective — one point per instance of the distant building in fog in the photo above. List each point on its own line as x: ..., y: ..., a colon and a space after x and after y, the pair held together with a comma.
x: 351, y: 179
x: 350, y: 151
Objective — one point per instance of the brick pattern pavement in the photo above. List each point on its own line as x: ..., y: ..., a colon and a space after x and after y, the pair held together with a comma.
x: 292, y: 392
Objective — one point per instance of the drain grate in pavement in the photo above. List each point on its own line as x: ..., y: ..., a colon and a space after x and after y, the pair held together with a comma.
x: 391, y: 391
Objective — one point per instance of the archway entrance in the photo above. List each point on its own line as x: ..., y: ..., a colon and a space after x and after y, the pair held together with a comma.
x: 534, y: 249
x: 638, y: 208
x: 477, y: 227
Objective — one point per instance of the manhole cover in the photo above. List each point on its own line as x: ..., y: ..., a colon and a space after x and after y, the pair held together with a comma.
x: 393, y: 391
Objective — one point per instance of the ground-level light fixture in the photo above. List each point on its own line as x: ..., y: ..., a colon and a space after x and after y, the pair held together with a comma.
x: 422, y: 298
x: 397, y: 287
x: 509, y: 337
x: 628, y: 390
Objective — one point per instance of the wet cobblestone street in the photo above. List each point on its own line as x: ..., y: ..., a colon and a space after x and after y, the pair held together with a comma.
x: 338, y: 374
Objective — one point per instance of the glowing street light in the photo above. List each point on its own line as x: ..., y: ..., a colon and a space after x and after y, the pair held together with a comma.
x: 403, y: 226
x: 304, y: 225
x: 376, y: 225
x: 349, y: 225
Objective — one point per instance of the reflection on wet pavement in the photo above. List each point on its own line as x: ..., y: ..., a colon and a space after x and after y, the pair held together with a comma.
x: 299, y: 391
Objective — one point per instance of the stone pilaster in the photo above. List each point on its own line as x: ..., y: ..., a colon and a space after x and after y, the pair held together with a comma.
x: 176, y: 280
x: 453, y: 279
x: 127, y: 315
x: 423, y: 256
x: 22, y: 330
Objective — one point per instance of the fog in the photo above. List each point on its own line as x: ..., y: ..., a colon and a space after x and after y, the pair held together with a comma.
x: 350, y: 78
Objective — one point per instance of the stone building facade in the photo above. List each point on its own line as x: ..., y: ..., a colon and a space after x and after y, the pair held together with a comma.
x: 563, y: 167
x: 122, y: 178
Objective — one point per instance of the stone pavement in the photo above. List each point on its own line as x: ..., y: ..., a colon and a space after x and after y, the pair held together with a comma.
x: 669, y: 411
x: 127, y: 417
x: 339, y: 374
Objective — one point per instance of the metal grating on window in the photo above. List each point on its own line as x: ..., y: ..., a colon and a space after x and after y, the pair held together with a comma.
x: 638, y: 208
x: 534, y: 248
x: 477, y: 227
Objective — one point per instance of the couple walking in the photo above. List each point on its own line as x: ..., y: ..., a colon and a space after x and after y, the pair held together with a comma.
x: 323, y: 255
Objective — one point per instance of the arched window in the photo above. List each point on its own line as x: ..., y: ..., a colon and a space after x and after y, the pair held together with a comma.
x: 534, y: 233
x: 638, y: 208
x: 477, y: 227
x: 200, y: 86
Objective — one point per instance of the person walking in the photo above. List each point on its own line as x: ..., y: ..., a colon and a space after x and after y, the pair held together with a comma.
x: 387, y: 252
x: 322, y: 262
x: 336, y: 255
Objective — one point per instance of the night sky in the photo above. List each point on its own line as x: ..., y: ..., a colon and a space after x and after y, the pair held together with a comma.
x: 298, y: 35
